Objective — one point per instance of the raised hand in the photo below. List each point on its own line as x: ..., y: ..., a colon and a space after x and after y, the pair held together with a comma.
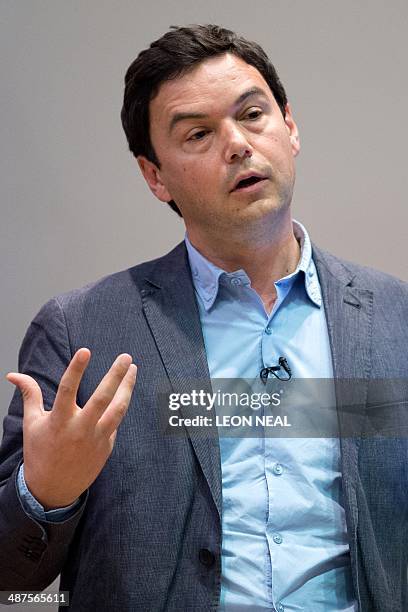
x: 66, y: 448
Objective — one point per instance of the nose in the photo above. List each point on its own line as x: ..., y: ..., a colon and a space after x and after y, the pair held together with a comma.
x: 237, y: 146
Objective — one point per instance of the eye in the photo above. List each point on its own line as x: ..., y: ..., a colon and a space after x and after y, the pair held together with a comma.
x: 253, y: 114
x: 198, y: 135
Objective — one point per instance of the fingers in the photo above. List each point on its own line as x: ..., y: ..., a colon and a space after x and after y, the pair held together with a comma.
x: 105, y: 391
x: 114, y: 413
x: 107, y: 405
x: 31, y: 392
x: 65, y: 399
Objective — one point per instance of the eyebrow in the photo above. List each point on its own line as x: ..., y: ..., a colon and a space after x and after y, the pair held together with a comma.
x: 178, y: 117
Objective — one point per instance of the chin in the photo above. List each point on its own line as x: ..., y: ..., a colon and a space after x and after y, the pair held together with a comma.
x: 264, y: 207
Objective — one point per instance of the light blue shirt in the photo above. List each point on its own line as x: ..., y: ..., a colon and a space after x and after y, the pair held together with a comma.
x: 284, y: 533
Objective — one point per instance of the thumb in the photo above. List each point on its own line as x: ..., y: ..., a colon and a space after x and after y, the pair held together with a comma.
x: 30, y: 390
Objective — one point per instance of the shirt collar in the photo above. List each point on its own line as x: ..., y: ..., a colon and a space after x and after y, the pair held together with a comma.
x: 206, y: 275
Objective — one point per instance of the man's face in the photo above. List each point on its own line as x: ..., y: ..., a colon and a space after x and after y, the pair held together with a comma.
x: 210, y: 128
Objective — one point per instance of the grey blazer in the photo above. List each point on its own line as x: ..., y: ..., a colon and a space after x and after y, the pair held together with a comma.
x: 147, y: 535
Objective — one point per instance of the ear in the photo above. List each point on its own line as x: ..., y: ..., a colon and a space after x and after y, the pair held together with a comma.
x: 292, y: 129
x: 152, y: 177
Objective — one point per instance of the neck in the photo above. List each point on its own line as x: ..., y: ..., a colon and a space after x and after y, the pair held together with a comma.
x: 264, y: 261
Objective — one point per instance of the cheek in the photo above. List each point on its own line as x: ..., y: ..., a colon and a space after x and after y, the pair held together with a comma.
x: 186, y: 182
x: 278, y: 150
x: 199, y: 177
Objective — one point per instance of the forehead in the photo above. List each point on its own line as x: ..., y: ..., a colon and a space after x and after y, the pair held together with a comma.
x: 213, y: 83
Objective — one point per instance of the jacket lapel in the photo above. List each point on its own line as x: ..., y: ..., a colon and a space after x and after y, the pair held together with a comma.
x: 348, y: 311
x: 172, y: 313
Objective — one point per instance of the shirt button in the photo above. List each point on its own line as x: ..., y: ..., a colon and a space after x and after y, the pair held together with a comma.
x: 277, y: 469
x: 280, y: 607
x: 277, y: 538
x: 235, y: 281
x: 268, y: 331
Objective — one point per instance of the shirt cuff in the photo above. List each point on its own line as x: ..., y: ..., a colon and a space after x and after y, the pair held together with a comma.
x: 35, y: 509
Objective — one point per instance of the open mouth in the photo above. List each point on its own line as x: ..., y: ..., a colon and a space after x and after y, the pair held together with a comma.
x: 248, y: 182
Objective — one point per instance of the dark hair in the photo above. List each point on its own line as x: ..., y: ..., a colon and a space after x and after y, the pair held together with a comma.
x: 171, y: 56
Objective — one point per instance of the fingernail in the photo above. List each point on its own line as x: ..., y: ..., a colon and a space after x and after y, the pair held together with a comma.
x: 125, y: 360
x: 82, y: 355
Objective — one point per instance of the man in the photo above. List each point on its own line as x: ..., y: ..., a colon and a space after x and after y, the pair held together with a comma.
x: 137, y: 520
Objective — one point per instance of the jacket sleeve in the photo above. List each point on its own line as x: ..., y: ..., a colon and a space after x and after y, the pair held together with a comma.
x: 32, y: 551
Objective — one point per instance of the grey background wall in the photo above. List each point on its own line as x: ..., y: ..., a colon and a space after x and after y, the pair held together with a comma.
x: 73, y: 205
